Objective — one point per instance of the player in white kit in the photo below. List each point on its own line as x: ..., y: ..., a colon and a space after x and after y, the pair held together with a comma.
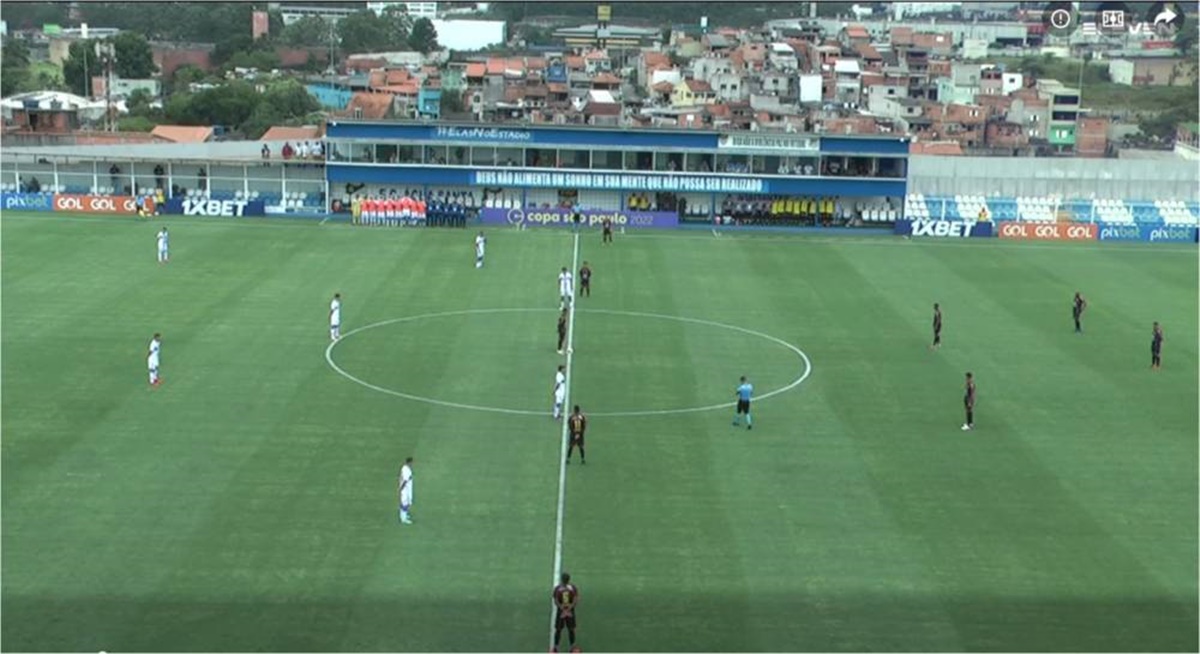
x: 480, y: 243
x: 152, y: 359
x: 566, y: 288
x: 560, y: 392
x: 163, y: 255
x: 335, y: 317
x: 406, y: 491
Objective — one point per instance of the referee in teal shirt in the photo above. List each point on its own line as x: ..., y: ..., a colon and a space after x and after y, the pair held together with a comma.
x: 744, y: 391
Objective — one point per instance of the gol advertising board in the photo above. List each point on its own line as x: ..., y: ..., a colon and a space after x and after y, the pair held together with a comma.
x: 1157, y: 233
x: 1024, y: 231
x: 944, y: 228
x: 589, y: 217
x: 96, y: 204
x: 26, y: 202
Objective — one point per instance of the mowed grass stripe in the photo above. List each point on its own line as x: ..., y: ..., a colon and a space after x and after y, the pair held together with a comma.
x: 251, y: 503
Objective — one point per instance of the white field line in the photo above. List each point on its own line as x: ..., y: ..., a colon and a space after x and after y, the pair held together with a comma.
x: 562, y: 455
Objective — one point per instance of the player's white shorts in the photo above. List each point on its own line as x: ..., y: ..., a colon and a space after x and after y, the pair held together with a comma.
x: 560, y: 396
x: 406, y: 496
x: 152, y: 364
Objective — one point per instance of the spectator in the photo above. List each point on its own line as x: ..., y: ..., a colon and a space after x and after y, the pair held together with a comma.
x: 287, y: 151
x: 34, y: 185
x: 302, y: 150
x: 266, y: 151
x: 159, y: 176
x: 318, y: 150
x: 202, y: 180
x: 114, y: 176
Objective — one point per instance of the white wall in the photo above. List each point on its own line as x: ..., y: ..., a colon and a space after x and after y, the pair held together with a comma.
x: 469, y: 34
x: 810, y: 88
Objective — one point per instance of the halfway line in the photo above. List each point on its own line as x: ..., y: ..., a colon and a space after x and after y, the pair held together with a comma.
x: 562, y: 456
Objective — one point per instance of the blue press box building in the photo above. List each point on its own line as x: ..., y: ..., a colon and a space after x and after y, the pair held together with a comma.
x: 690, y: 172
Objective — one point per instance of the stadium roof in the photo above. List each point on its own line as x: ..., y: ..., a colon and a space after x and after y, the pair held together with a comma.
x: 182, y: 133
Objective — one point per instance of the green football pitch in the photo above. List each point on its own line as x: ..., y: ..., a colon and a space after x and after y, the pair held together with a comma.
x: 249, y: 502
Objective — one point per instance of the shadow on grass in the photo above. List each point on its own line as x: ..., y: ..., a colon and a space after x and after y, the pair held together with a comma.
x: 778, y: 623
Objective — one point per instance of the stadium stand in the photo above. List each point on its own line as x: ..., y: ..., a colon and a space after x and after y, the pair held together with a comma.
x: 1047, y: 209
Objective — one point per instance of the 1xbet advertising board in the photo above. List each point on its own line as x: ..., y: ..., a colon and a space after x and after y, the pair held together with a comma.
x: 944, y: 228
x: 27, y: 201
x: 588, y: 218
x: 1147, y: 233
x: 96, y: 204
x: 1012, y: 229
x: 204, y: 207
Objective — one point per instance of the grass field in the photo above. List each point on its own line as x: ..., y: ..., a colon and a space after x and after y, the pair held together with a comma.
x: 249, y: 503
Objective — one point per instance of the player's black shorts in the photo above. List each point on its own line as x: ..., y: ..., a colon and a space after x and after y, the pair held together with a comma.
x: 577, y: 439
x: 568, y: 622
x: 743, y: 406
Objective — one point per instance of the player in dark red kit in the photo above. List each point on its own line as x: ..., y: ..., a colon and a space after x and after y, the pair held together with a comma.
x: 1156, y: 348
x: 937, y: 326
x: 1078, y: 305
x: 606, y: 234
x: 566, y: 597
x: 969, y: 403
x: 585, y: 280
x: 577, y: 424
x: 562, y: 330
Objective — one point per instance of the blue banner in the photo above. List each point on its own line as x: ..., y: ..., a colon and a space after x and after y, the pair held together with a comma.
x: 588, y: 217
x: 636, y: 182
x: 1155, y: 233
x: 204, y: 207
x: 944, y: 228
x: 27, y: 201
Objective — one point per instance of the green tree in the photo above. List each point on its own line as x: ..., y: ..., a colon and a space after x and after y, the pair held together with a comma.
x: 14, y: 67
x: 423, y: 37
x: 291, y: 99
x: 135, y: 60
x: 138, y: 103
x: 80, y: 65
x: 308, y: 31
x: 136, y: 124
x: 33, y: 15
x: 365, y: 32
x: 185, y: 76
x: 1185, y: 40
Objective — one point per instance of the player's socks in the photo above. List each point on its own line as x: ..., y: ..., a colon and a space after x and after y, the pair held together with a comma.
x: 749, y: 422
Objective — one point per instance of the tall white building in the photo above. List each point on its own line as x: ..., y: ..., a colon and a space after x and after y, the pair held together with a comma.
x: 415, y: 9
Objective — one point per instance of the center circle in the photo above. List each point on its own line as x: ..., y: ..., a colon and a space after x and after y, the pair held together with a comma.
x: 799, y: 379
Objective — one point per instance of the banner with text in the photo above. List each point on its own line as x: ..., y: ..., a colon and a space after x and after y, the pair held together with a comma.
x: 97, y: 204
x: 1012, y: 229
x: 1157, y: 233
x: 204, y: 207
x: 589, y: 217
x: 619, y: 181
x: 944, y: 228
x: 26, y: 202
